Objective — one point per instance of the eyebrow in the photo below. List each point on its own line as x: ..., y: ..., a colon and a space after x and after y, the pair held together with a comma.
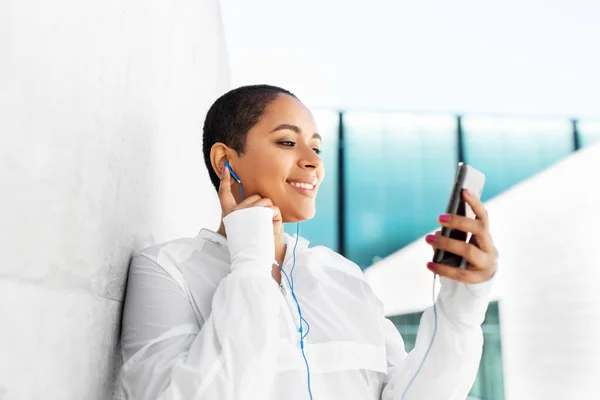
x: 295, y: 129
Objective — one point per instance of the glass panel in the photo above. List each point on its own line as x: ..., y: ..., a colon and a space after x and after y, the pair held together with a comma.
x: 399, y: 172
x: 589, y: 132
x: 489, y: 384
x: 322, y: 230
x: 509, y: 150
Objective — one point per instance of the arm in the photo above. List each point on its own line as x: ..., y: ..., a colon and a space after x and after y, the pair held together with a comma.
x: 233, y: 354
x: 451, y: 366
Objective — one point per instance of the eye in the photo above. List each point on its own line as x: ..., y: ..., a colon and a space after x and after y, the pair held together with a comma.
x: 287, y: 143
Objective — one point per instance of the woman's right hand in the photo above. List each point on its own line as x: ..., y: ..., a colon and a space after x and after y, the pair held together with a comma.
x: 229, y: 204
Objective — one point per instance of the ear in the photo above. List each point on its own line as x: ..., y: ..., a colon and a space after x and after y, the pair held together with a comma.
x: 218, y: 156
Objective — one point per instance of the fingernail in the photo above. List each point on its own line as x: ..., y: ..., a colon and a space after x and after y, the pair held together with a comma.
x: 430, y: 238
x: 444, y: 218
x: 431, y: 266
x: 467, y: 192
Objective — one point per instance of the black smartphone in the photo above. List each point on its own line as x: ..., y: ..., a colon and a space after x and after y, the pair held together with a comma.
x: 473, y: 180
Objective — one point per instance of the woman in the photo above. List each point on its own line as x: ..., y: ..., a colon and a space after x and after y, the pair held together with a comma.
x: 222, y: 316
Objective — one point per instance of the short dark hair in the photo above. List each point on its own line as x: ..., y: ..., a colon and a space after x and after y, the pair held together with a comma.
x: 231, y: 117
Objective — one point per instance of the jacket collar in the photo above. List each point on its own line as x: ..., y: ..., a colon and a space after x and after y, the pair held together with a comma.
x: 219, y: 239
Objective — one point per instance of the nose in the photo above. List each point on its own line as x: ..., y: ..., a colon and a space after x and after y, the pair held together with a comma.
x: 309, y: 159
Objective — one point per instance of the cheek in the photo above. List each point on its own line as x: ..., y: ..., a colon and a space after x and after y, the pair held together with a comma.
x: 274, y: 169
x: 321, y: 174
x: 268, y: 175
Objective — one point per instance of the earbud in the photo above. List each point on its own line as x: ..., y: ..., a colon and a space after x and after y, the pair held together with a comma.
x: 232, y: 173
x: 236, y: 178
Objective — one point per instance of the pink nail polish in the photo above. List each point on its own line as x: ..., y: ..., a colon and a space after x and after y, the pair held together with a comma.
x: 444, y: 218
x: 431, y: 266
x: 467, y: 192
x: 430, y: 238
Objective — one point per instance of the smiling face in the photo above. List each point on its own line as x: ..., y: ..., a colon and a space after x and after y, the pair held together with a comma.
x: 280, y: 160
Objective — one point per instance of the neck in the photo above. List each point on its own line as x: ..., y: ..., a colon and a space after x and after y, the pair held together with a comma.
x: 279, y: 251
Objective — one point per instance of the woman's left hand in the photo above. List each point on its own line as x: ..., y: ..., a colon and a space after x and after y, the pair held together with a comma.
x: 479, y: 252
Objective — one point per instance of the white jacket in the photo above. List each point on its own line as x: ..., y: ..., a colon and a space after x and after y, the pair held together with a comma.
x: 204, y: 319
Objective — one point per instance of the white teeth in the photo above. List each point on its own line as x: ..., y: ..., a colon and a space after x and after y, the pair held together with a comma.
x: 302, y: 185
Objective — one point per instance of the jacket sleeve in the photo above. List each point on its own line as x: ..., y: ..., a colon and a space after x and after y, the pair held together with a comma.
x: 451, y: 367
x: 168, y: 354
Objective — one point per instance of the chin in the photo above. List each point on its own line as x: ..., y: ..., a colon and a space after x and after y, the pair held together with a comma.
x: 299, y: 215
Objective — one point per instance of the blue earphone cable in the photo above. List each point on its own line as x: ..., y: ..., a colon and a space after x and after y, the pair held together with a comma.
x: 294, y: 254
x: 291, y: 284
x: 430, y: 344
x: 237, y: 179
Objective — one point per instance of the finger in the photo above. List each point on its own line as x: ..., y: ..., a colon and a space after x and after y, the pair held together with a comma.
x: 490, y: 248
x: 465, y: 224
x: 436, y: 233
x: 473, y: 240
x: 276, y: 213
x: 476, y: 257
x: 458, y: 274
x: 476, y: 205
x: 484, y: 239
x: 256, y: 202
x: 225, y: 196
x: 249, y: 201
x: 479, y: 227
x: 277, y: 220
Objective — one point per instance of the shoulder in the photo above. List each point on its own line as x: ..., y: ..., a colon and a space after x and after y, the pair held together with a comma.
x: 173, y: 249
x: 165, y: 259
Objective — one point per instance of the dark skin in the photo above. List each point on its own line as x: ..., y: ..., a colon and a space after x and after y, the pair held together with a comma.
x: 480, y: 252
x: 282, y: 149
x: 229, y: 205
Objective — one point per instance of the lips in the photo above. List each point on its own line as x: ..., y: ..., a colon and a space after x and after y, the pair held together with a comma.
x: 306, y: 186
x: 302, y: 185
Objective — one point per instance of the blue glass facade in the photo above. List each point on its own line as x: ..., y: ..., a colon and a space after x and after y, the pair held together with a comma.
x: 589, y: 132
x: 398, y: 170
x: 398, y: 175
x: 395, y: 178
x: 509, y: 150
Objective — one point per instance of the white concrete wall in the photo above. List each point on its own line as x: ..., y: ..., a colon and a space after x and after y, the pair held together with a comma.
x: 546, y: 231
x: 101, y: 112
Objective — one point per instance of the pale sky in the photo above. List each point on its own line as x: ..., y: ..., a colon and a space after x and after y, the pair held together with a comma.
x: 516, y: 56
